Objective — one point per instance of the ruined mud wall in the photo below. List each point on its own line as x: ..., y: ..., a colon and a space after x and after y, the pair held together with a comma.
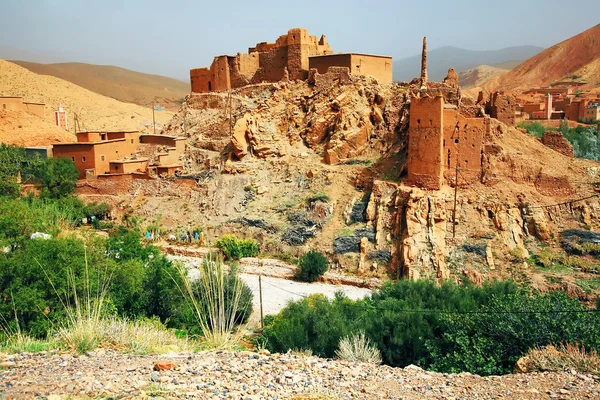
x: 425, y: 142
x: 557, y: 142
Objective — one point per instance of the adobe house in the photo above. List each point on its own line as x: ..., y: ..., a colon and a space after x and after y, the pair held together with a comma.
x: 379, y: 67
x: 16, y: 103
x: 94, y: 150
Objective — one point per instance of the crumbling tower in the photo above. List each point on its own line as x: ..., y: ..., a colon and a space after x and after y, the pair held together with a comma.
x: 424, y: 64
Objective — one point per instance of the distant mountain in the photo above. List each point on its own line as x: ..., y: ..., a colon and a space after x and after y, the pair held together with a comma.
x: 576, y: 59
x: 115, y: 82
x: 440, y: 59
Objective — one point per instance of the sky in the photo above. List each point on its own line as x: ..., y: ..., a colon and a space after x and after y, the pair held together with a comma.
x: 171, y: 37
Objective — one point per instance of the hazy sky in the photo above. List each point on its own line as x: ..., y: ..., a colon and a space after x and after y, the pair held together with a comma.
x: 169, y: 37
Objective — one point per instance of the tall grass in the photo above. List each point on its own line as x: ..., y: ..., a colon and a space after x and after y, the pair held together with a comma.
x: 358, y: 348
x: 215, y: 301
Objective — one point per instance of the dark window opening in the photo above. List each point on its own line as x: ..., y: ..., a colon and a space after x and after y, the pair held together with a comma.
x: 448, y: 159
x: 456, y: 141
x: 430, y: 122
x: 419, y: 121
x: 131, y: 140
x: 83, y: 159
x: 209, y: 86
x: 102, y: 158
x: 102, y: 136
x: 73, y: 159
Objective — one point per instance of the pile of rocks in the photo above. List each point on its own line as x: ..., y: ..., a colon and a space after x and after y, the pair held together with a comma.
x: 247, y: 375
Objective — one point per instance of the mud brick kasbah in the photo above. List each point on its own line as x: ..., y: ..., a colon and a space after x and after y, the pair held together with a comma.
x: 290, y: 57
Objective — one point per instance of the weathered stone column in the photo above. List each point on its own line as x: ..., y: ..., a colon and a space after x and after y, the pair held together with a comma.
x: 424, y: 64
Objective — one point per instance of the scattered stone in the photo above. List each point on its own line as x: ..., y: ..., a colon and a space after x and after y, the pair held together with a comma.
x: 164, y: 365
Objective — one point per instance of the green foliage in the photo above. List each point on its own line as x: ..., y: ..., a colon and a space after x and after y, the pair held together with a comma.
x: 59, y: 177
x: 311, y: 266
x: 583, y: 139
x: 40, y: 280
x: 234, y: 248
x: 448, y: 328
x: 533, y: 128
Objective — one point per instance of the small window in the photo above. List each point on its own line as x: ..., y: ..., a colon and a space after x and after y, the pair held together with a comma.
x: 4, y: 106
x: 456, y: 141
x: 82, y: 159
x: 131, y: 140
x: 73, y: 158
x: 102, y: 158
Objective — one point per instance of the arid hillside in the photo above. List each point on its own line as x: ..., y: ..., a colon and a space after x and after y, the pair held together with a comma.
x: 115, y: 82
x: 93, y: 110
x: 477, y: 76
x: 23, y: 129
x: 576, y: 59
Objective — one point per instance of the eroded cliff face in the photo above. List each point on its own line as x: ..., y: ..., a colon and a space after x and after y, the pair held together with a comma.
x: 416, y: 227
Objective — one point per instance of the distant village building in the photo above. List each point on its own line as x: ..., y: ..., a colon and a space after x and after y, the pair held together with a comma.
x: 61, y: 119
x: 16, y: 103
x: 289, y: 58
x: 105, y: 154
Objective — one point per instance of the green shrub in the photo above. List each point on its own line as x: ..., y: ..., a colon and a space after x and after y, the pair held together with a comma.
x: 448, y: 328
x: 234, y: 248
x: 311, y: 266
x: 533, y: 128
x: 59, y: 177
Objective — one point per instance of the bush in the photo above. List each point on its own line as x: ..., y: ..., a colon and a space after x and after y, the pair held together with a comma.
x: 565, y: 358
x: 311, y: 266
x: 533, y: 128
x: 447, y: 328
x: 234, y: 248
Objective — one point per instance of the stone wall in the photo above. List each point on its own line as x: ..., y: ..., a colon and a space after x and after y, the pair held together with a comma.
x: 463, y: 139
x: 556, y: 141
x: 379, y: 67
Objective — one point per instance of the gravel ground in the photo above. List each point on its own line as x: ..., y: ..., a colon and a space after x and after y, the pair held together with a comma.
x: 252, y: 376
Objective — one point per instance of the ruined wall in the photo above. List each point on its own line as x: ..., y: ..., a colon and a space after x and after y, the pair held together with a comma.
x: 502, y: 107
x: 557, y: 142
x: 463, y: 138
x: 264, y: 62
x: 425, y: 142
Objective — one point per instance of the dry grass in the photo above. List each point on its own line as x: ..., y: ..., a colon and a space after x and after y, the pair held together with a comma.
x: 358, y: 348
x: 139, y: 337
x: 565, y: 358
x: 214, y: 308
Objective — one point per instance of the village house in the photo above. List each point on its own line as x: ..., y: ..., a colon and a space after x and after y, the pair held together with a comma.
x: 16, y: 103
x: 104, y: 154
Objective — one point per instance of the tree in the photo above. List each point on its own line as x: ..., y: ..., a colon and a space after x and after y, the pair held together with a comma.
x: 312, y: 265
x: 59, y: 177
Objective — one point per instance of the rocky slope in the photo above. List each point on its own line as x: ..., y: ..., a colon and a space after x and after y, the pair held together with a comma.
x: 477, y: 76
x: 576, y: 59
x: 24, y: 129
x: 248, y: 376
x: 321, y: 165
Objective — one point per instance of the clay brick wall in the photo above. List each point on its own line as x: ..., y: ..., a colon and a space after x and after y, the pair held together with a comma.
x: 35, y: 109
x: 463, y: 140
x: 557, y: 142
x: 12, y: 103
x: 90, y: 136
x: 160, y: 140
x: 334, y: 76
x: 81, y: 154
x: 378, y: 67
x: 425, y: 142
x: 502, y: 107
x: 128, y: 167
x: 199, y: 80
x: 322, y: 63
